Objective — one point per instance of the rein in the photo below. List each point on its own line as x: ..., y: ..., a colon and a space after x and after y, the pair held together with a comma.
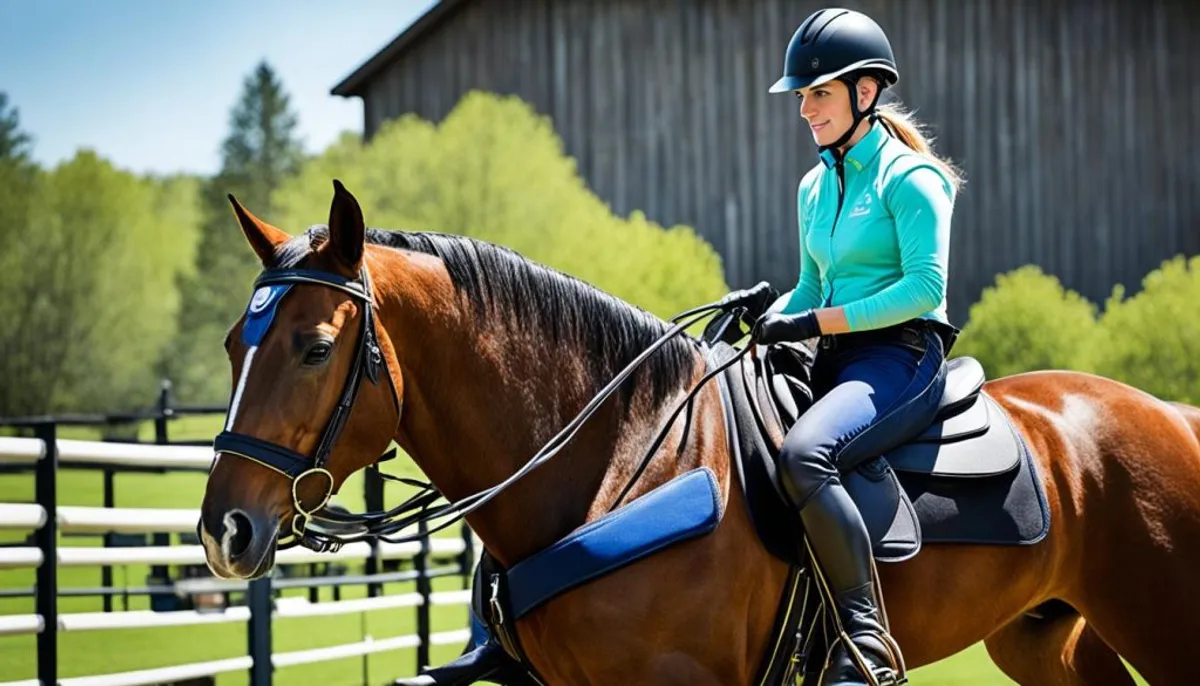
x: 322, y: 529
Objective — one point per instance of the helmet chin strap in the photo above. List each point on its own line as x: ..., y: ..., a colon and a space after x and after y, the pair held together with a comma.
x: 832, y: 154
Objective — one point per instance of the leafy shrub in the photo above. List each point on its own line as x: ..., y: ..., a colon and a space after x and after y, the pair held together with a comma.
x: 1152, y: 340
x: 1028, y: 321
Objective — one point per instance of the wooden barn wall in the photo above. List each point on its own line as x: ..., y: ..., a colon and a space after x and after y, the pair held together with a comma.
x: 1074, y: 120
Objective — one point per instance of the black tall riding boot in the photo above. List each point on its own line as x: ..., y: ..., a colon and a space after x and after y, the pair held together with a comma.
x: 841, y: 544
x: 483, y: 659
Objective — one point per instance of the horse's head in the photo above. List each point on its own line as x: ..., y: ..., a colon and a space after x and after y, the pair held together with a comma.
x: 317, y: 391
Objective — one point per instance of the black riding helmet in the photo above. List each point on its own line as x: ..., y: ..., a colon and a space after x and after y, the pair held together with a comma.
x: 835, y: 43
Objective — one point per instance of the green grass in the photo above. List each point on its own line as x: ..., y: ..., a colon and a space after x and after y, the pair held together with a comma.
x: 100, y: 652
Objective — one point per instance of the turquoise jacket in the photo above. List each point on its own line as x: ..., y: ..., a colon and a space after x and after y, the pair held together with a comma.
x: 881, y: 249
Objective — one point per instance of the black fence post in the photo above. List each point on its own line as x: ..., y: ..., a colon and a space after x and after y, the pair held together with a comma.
x: 164, y: 413
x: 424, y: 588
x: 466, y: 560
x: 110, y: 500
x: 160, y: 575
x: 314, y: 570
x: 373, y: 499
x: 259, y: 631
x: 46, y: 488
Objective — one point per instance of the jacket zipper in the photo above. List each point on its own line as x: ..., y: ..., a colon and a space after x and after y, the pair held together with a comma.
x: 841, y: 176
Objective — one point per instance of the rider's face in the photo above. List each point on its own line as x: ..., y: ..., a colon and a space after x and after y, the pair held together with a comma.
x: 826, y: 108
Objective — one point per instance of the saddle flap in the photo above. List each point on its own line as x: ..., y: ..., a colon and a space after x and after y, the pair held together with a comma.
x: 774, y: 520
x: 994, y: 450
x: 964, y: 379
x: 886, y: 511
x: 785, y: 400
x: 969, y: 422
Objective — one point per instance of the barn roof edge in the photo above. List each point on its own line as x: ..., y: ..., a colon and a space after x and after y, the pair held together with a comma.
x: 437, y: 12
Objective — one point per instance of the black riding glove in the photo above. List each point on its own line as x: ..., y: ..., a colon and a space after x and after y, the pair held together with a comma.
x: 775, y: 327
x: 756, y: 300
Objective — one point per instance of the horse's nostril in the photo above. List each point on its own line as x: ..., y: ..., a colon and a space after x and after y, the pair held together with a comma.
x: 239, y: 532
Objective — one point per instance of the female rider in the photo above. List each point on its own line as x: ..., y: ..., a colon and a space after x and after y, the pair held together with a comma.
x: 874, y: 220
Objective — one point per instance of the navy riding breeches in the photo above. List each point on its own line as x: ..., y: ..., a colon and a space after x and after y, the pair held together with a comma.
x: 869, y: 393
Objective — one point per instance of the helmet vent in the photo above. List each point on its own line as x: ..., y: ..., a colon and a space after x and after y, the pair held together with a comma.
x: 811, y: 31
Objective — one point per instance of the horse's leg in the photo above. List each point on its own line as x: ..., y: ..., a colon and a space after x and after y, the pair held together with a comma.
x: 1140, y: 557
x: 1058, y: 649
x: 1145, y: 611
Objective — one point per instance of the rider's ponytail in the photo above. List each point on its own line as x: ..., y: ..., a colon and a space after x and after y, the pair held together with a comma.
x: 906, y: 128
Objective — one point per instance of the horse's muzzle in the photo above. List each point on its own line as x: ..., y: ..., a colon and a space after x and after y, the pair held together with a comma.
x: 242, y: 544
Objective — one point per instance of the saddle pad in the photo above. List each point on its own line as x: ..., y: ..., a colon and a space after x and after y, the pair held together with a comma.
x: 685, y: 507
x: 1000, y: 509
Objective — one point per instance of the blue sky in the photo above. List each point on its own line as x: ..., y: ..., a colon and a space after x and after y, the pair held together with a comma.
x: 148, y: 84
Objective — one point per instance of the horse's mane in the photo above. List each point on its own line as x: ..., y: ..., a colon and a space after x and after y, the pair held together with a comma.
x: 570, y: 317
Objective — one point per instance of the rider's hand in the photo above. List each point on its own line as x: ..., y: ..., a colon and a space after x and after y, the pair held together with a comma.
x: 775, y: 327
x: 756, y: 300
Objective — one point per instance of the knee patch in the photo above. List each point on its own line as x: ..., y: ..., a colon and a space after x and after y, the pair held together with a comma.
x: 804, y: 466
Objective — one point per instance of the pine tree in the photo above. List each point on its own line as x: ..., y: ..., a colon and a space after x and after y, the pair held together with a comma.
x: 14, y: 143
x: 18, y: 183
x: 260, y: 152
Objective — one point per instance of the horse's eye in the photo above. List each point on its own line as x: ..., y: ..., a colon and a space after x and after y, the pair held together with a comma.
x: 317, y: 354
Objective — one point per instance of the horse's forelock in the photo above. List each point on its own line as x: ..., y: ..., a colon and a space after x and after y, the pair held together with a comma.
x: 291, y: 254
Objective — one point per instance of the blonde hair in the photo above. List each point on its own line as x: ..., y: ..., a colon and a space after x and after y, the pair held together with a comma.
x: 906, y: 128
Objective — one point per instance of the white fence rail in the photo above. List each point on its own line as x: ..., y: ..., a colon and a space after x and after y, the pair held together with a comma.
x: 101, y: 520
x: 285, y: 607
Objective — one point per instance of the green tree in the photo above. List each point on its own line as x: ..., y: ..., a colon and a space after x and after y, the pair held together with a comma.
x: 259, y: 153
x: 19, y: 244
x: 14, y: 143
x: 1152, y: 340
x: 496, y: 170
x: 89, y: 285
x: 18, y: 177
x: 1027, y: 322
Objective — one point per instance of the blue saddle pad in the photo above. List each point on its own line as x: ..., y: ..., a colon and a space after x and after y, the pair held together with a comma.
x: 685, y: 507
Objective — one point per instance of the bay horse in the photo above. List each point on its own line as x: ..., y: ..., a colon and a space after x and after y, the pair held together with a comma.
x: 476, y: 357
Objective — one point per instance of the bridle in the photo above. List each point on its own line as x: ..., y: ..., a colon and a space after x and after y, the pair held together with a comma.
x: 322, y: 529
x: 368, y: 361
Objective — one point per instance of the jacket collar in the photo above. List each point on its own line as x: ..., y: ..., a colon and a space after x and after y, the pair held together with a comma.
x: 861, y: 153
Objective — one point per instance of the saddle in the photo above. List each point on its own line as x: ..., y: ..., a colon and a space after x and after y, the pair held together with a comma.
x: 965, y: 477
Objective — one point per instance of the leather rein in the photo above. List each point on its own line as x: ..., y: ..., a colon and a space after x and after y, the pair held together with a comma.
x: 318, y: 528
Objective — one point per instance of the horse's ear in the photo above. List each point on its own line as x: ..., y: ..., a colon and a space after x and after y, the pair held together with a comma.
x: 347, y: 230
x: 262, y: 236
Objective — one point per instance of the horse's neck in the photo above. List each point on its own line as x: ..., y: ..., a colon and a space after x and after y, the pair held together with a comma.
x: 478, y: 404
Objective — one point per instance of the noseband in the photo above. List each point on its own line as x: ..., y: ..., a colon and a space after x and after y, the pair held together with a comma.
x: 269, y: 289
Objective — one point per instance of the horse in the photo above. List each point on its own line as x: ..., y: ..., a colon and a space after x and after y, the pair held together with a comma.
x: 474, y: 357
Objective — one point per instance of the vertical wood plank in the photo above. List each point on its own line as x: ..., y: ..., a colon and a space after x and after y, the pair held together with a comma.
x: 663, y: 103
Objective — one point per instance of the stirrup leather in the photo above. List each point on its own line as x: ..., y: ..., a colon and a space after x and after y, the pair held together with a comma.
x: 894, y: 674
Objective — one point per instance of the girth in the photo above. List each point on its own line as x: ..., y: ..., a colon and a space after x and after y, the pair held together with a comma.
x: 270, y: 288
